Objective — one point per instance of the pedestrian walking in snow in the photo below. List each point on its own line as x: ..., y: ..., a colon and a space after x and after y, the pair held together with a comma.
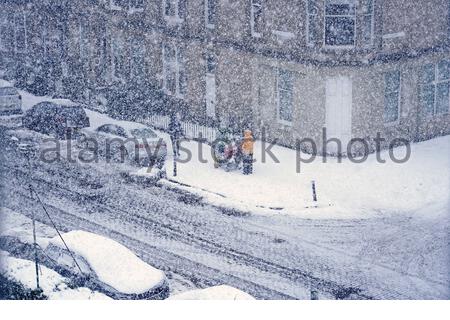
x: 175, y: 133
x: 247, y: 152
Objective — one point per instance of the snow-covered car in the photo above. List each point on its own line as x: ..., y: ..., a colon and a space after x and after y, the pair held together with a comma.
x: 60, y: 117
x: 10, y: 101
x: 124, y: 140
x: 222, y: 292
x: 106, y: 266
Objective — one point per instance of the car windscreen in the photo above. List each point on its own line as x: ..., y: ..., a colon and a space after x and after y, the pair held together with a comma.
x: 8, y: 91
x: 143, y: 133
x: 112, y: 129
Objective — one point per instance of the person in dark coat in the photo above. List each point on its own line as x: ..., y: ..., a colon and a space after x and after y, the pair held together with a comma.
x: 175, y: 133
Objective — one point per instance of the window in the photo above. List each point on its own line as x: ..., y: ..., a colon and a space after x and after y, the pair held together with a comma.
x: 210, y: 13
x: 135, y: 6
x: 174, y: 76
x: 340, y: 16
x: 210, y: 63
x: 6, y: 31
x: 367, y: 23
x: 20, y: 32
x: 285, y: 87
x: 84, y: 29
x: 118, y: 56
x: 256, y: 22
x: 434, y: 88
x: 392, y: 86
x: 138, y: 58
x: 119, y: 4
x: 174, y: 9
x: 312, y: 24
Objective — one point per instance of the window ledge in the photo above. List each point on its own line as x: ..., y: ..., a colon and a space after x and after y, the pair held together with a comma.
x: 284, y: 122
x: 283, y: 35
x: 256, y: 34
x: 330, y: 47
x: 391, y: 123
x: 173, y: 20
x: 135, y: 10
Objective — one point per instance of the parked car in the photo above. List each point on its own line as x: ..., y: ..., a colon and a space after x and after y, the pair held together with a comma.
x: 60, y: 117
x: 130, y: 141
x: 10, y: 101
x: 106, y: 266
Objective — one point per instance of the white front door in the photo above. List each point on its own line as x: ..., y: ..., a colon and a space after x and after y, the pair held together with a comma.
x: 211, y: 95
x: 338, y: 111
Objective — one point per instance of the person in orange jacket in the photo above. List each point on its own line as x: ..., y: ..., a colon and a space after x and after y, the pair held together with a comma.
x: 247, y: 152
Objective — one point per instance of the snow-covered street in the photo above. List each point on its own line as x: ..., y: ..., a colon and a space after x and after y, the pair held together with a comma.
x: 389, y: 255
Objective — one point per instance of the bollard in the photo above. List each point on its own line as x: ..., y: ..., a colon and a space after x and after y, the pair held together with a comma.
x: 313, y: 185
x: 174, y: 166
x: 314, y: 294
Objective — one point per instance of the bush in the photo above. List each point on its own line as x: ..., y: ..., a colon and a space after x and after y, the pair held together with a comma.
x: 12, y: 290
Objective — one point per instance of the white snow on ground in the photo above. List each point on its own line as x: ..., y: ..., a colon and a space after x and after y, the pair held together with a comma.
x: 222, y: 292
x: 19, y: 226
x: 54, y: 286
x: 113, y: 263
x: 345, y: 190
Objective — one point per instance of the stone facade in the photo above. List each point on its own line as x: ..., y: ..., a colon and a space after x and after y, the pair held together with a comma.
x: 271, y: 65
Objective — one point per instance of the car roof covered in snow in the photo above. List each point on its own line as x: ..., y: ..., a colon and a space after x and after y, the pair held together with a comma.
x: 113, y: 263
x: 222, y: 292
x: 98, y: 119
x: 8, y: 91
x: 60, y: 102
x: 65, y: 102
x: 4, y: 83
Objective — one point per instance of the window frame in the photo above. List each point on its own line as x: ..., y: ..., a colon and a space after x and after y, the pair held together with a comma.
x: 278, y: 97
x: 176, y: 18
x: 208, y: 23
x: 399, y: 97
x: 136, y: 5
x: 117, y: 55
x: 176, y: 66
x: 8, y: 26
x: 84, y: 29
x: 115, y: 6
x: 309, y: 15
x: 253, y: 4
x: 355, y: 33
x: 22, y: 15
x: 371, y: 14
x: 435, y: 83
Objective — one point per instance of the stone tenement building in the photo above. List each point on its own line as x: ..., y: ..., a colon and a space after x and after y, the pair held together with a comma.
x: 293, y: 67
